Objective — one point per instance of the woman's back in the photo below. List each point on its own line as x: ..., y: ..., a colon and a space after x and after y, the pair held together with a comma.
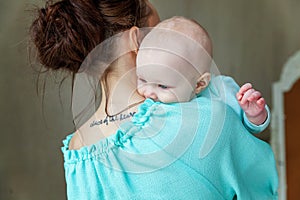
x: 162, y: 155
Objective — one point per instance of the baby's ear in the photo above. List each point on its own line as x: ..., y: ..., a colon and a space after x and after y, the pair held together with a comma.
x: 202, y: 82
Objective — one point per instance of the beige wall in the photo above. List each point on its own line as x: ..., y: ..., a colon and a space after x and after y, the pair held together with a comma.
x: 252, y: 40
x: 30, y: 159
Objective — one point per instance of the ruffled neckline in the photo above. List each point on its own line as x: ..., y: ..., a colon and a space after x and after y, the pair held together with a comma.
x: 122, y: 135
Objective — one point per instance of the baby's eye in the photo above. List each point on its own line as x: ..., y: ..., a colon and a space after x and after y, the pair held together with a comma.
x: 142, y: 80
x: 163, y: 86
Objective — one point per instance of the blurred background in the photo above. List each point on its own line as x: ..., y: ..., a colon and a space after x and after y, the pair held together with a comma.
x: 252, y: 41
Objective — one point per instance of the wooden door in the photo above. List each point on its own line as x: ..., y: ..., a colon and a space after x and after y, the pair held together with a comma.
x: 292, y: 135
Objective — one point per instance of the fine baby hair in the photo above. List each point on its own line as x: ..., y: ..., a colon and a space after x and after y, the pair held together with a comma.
x: 176, y: 49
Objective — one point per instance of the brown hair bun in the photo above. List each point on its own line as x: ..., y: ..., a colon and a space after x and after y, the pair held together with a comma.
x: 65, y: 32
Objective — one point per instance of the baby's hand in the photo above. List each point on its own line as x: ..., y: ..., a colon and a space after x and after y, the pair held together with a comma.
x: 252, y: 103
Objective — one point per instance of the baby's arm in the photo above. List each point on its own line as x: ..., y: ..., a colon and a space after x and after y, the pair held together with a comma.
x: 231, y: 90
x: 252, y: 103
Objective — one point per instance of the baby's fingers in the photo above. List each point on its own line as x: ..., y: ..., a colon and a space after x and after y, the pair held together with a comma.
x: 245, y: 88
x: 261, y: 102
x: 254, y: 96
x: 247, y: 96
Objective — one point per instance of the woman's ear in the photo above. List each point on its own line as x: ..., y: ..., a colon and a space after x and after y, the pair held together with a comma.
x: 202, y: 82
x: 134, y: 36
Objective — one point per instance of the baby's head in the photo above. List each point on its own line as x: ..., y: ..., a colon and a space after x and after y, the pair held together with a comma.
x: 173, y: 62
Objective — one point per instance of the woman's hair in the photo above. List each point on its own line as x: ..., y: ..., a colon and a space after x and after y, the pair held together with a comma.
x: 64, y: 32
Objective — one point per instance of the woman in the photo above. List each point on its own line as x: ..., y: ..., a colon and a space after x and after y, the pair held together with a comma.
x: 124, y: 164
x: 64, y: 33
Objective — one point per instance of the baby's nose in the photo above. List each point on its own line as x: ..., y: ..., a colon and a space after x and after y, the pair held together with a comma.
x: 151, y: 95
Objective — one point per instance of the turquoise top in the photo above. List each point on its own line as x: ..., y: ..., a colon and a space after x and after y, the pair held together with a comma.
x: 194, y: 150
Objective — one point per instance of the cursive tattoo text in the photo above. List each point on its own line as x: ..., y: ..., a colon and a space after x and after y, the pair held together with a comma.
x: 107, y: 119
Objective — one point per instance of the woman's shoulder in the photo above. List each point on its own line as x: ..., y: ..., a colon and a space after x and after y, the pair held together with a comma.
x: 75, y: 142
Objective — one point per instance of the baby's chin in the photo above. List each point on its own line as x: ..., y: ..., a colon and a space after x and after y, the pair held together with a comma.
x: 171, y: 100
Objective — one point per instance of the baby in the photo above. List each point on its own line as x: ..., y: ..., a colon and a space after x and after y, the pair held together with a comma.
x: 174, y: 63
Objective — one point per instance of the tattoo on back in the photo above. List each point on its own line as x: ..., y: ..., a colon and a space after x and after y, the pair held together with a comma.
x: 107, y: 119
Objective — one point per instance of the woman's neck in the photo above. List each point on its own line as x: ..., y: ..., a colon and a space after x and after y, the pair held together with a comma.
x: 120, y: 99
x: 120, y: 94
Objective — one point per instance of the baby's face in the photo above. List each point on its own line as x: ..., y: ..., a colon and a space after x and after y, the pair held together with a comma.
x: 164, y: 77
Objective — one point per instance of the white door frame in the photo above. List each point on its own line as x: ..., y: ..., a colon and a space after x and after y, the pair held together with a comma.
x: 290, y: 74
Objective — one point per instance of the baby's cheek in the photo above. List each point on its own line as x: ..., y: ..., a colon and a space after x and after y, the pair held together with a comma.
x: 140, y: 89
x: 168, y: 97
x: 185, y: 95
